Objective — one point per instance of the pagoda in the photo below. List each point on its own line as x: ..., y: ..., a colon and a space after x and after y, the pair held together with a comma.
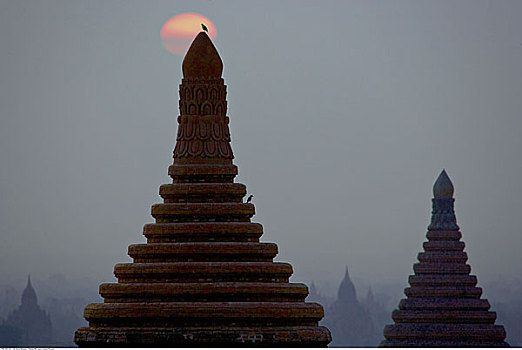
x: 349, y: 322
x: 33, y: 322
x: 443, y: 307
x: 203, y: 278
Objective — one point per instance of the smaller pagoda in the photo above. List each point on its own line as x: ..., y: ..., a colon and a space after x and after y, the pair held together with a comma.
x: 443, y: 307
x: 349, y: 322
x: 33, y: 322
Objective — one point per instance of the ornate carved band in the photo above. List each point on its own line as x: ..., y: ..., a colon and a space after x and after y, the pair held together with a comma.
x: 203, y: 137
x: 203, y: 97
x: 443, y: 215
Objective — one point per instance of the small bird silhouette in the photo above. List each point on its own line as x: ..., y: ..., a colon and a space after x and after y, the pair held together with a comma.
x: 204, y: 27
x: 250, y: 198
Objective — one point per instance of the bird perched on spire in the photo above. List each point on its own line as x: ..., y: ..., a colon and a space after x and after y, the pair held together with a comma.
x: 250, y: 198
x: 204, y: 27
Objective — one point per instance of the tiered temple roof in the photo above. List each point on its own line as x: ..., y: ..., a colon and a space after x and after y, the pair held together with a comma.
x: 203, y: 278
x: 443, y: 307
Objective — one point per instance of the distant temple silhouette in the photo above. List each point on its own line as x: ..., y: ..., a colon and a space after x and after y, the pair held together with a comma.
x: 349, y: 322
x: 203, y: 278
x: 33, y: 323
x: 443, y: 306
x: 316, y: 296
x: 379, y: 315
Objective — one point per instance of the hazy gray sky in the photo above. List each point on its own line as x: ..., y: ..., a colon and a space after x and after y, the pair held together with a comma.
x: 342, y: 114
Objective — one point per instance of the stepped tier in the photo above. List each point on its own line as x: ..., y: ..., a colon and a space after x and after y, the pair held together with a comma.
x: 203, y: 291
x: 203, y: 278
x: 443, y: 306
x: 203, y: 232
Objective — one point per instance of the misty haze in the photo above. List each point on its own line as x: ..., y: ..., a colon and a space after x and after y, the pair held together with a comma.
x: 342, y: 115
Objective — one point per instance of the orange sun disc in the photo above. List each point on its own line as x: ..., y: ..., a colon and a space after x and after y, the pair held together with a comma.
x: 178, y: 32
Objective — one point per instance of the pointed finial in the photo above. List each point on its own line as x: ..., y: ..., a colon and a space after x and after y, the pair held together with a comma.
x: 346, y: 291
x: 204, y: 27
x: 202, y: 59
x: 443, y: 212
x: 443, y: 188
x: 29, y: 295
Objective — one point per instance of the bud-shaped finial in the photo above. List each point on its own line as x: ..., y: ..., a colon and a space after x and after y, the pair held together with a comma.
x: 202, y: 59
x: 443, y: 188
x: 443, y: 214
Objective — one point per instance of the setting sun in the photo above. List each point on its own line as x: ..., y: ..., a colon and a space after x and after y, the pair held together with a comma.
x: 178, y: 32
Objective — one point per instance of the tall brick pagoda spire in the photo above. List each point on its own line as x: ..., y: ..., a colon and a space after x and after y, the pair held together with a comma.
x: 203, y: 278
x: 443, y: 307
